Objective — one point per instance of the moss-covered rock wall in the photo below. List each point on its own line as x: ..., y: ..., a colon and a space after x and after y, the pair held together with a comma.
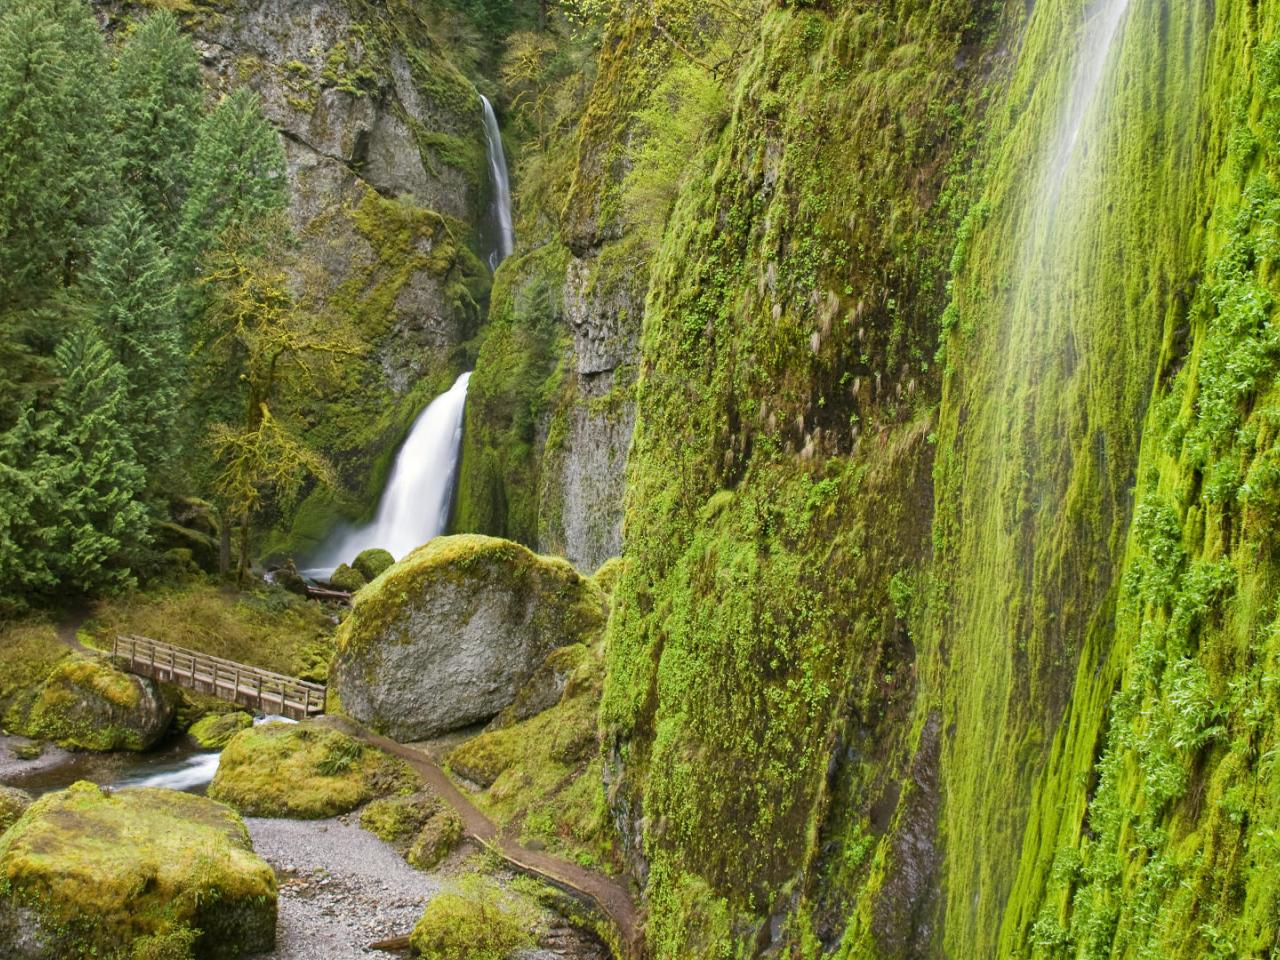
x: 946, y: 626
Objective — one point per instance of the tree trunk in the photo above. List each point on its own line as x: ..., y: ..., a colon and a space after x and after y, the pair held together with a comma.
x: 242, y: 568
x: 224, y: 543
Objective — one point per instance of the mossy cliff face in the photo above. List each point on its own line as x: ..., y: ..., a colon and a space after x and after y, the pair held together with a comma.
x: 445, y: 637
x: 387, y: 172
x: 86, y: 872
x: 551, y: 406
x: 962, y: 651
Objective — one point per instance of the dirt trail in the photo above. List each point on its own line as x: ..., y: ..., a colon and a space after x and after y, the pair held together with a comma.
x: 603, y: 894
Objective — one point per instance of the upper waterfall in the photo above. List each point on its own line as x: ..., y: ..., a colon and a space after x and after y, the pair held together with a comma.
x: 504, y: 234
x: 415, y: 504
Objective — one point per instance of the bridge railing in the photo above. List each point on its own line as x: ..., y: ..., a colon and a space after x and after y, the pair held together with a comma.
x: 263, y: 690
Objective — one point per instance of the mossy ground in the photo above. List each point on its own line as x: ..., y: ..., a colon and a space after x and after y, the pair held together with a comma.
x: 420, y: 825
x: 101, y: 871
x: 268, y: 627
x: 29, y: 650
x: 543, y: 776
x: 304, y: 771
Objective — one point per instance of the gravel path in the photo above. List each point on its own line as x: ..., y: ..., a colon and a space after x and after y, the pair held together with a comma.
x: 341, y: 888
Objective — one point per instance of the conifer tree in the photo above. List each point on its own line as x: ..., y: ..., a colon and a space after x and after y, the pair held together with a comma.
x: 57, y: 176
x: 102, y: 527
x: 158, y: 99
x: 237, y: 174
x: 69, y: 484
x: 133, y: 289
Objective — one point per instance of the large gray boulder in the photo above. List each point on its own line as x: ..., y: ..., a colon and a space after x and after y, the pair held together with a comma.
x: 448, y: 636
x: 87, y: 704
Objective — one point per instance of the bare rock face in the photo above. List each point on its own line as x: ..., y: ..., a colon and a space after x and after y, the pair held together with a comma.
x: 448, y: 636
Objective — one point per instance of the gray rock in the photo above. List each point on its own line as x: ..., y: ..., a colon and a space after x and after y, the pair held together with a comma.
x: 448, y: 636
x: 88, y: 704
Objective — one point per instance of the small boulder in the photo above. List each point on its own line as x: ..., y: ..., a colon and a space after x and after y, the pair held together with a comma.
x: 289, y: 578
x: 13, y: 803
x: 93, y: 872
x: 88, y: 704
x: 344, y: 578
x: 372, y: 562
x: 474, y: 925
x: 448, y: 635
x: 215, y: 730
x: 305, y: 771
x: 421, y: 826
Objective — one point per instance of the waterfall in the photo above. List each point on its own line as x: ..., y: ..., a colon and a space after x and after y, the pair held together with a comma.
x: 1101, y: 29
x: 504, y: 233
x: 415, y: 505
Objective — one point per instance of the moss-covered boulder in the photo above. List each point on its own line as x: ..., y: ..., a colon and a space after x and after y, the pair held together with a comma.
x: 13, y: 803
x: 372, y: 562
x: 87, y: 872
x: 457, y: 926
x: 448, y: 635
x: 345, y: 578
x: 88, y: 704
x: 215, y: 730
x: 421, y: 826
x: 305, y: 771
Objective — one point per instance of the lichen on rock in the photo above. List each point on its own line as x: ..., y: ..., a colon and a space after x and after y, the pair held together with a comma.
x: 89, y: 872
x: 447, y: 636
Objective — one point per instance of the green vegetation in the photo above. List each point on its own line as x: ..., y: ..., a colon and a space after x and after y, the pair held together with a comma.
x: 120, y: 875
x: 542, y: 776
x: 421, y: 826
x: 304, y: 771
x: 268, y: 627
x: 216, y: 730
x: 472, y: 923
x: 88, y: 704
x: 30, y: 651
x: 13, y: 804
x: 371, y: 563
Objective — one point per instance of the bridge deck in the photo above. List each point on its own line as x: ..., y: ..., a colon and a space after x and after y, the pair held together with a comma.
x: 253, y: 687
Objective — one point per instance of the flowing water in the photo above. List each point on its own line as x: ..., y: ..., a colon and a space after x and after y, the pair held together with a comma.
x: 500, y: 209
x: 415, y: 505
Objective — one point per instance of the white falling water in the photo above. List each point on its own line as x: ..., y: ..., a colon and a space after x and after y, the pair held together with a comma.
x: 505, y: 234
x: 190, y: 773
x: 415, y: 505
x: 1101, y: 30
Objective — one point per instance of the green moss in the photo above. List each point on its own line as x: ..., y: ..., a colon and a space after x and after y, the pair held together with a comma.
x: 420, y: 825
x: 269, y: 627
x: 373, y: 562
x: 13, y: 803
x: 213, y: 732
x: 543, y: 776
x: 88, y: 704
x: 345, y: 578
x: 30, y: 651
x: 475, y: 927
x: 100, y: 871
x: 304, y: 771
x: 436, y: 840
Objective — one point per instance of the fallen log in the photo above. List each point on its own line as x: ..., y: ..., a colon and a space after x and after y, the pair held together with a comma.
x: 324, y: 593
x: 394, y: 945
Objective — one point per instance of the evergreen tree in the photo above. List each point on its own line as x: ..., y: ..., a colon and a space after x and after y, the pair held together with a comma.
x: 133, y: 287
x: 56, y: 169
x: 103, y: 527
x: 56, y: 178
x: 158, y: 94
x: 237, y: 174
x: 69, y: 484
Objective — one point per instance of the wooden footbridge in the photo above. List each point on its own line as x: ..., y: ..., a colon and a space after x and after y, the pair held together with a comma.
x: 260, y: 690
